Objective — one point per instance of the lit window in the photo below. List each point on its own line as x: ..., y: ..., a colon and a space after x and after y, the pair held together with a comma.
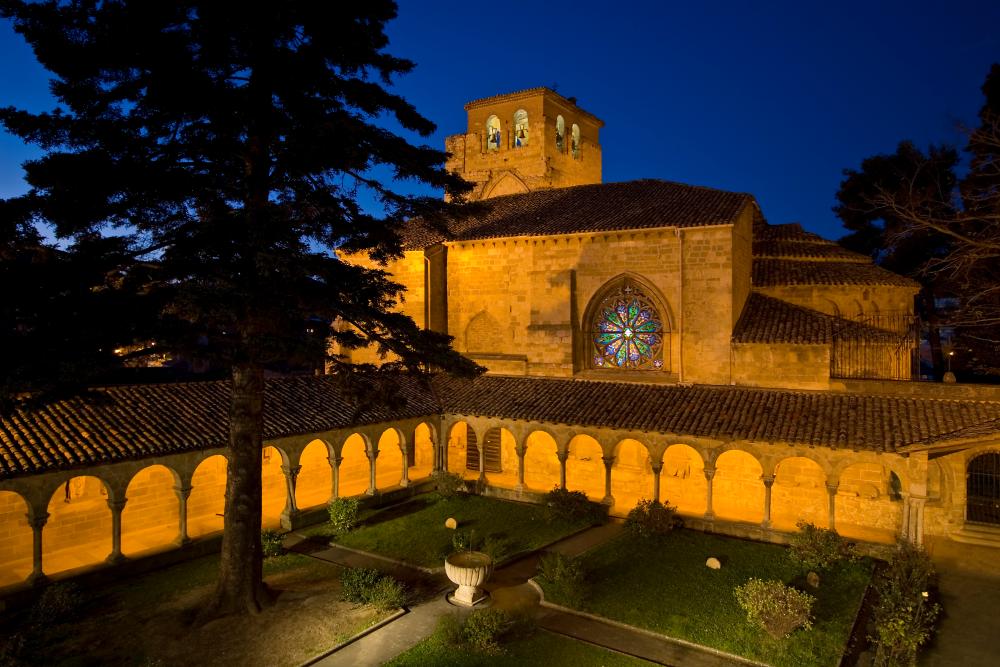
x: 575, y: 140
x: 560, y: 133
x: 492, y: 133
x: 520, y: 128
x: 627, y: 331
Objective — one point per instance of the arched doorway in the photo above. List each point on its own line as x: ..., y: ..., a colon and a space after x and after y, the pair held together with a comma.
x: 151, y: 517
x: 274, y: 491
x: 585, y: 467
x: 315, y: 481
x: 207, y: 501
x: 354, y: 468
x: 15, y: 547
x: 421, y: 461
x: 463, y: 451
x: 541, y: 462
x: 737, y: 489
x: 982, y: 489
x: 78, y: 531
x: 682, y: 480
x: 389, y: 464
x: 500, y: 458
x: 799, y: 494
x: 631, y: 476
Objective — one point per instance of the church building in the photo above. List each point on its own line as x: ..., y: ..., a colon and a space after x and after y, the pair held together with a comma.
x: 643, y: 339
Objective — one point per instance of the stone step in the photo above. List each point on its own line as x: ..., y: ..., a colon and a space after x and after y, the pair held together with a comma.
x: 980, y: 534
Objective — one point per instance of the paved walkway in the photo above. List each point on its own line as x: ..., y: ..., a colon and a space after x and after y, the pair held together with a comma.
x: 510, y: 591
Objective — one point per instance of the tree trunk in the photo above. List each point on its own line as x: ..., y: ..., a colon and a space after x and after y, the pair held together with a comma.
x: 240, y: 588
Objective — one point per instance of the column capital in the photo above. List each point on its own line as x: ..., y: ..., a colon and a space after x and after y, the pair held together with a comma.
x: 709, y: 473
x: 656, y: 467
x: 292, y: 471
x: 768, y: 480
x: 38, y: 520
x: 831, y: 488
x: 183, y: 491
x: 562, y: 455
x: 335, y: 460
x: 608, y: 460
x: 117, y: 505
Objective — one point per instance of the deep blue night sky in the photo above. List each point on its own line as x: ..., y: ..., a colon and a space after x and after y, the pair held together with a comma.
x: 775, y: 99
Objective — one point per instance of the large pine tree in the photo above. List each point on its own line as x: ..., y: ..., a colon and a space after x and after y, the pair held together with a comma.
x: 225, y: 144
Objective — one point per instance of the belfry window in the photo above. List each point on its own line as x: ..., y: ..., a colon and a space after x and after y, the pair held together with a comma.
x: 521, y: 133
x: 574, y: 142
x: 627, y: 332
x: 492, y: 133
x: 560, y: 133
x: 982, y: 486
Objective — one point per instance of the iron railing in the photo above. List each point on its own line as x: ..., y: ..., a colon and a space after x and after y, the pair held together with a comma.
x: 890, y: 353
x: 982, y: 489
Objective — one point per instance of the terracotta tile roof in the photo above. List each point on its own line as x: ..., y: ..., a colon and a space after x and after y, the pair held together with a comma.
x: 798, y: 250
x: 775, y: 272
x: 769, y: 320
x: 131, y: 422
x: 880, y: 423
x: 644, y: 204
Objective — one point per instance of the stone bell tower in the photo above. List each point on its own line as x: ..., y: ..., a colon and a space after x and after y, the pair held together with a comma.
x: 529, y: 140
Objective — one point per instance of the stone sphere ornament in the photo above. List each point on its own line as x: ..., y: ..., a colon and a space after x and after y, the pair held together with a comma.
x: 450, y: 522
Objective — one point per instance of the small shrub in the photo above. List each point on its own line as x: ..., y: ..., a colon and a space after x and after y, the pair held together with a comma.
x: 484, y: 628
x: 449, y: 484
x: 56, y: 604
x: 271, y: 543
x: 775, y: 607
x: 461, y: 541
x: 365, y: 585
x: 357, y: 582
x: 817, y: 548
x: 387, y: 593
x: 904, y: 616
x: 650, y: 518
x: 572, y: 507
x: 496, y: 548
x: 566, y: 578
x: 343, y: 514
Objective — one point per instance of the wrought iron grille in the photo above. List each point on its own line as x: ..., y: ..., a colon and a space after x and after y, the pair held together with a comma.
x: 491, y: 451
x: 982, y: 489
x: 892, y: 354
x: 471, y: 450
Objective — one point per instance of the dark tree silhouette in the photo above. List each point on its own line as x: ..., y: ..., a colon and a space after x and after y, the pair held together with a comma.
x: 915, y: 215
x: 226, y: 146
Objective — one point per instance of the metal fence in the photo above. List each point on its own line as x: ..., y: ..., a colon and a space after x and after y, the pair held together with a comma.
x: 892, y: 353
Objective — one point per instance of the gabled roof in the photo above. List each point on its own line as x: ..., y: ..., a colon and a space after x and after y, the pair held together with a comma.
x: 769, y: 320
x: 644, y: 204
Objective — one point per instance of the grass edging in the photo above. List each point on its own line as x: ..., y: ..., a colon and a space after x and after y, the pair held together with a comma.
x: 649, y: 633
x: 850, y: 650
x: 350, y: 640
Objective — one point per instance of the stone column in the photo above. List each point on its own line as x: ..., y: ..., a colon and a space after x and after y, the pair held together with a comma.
x: 768, y: 483
x: 520, y: 468
x: 291, y: 510
x: 37, y: 522
x: 335, y: 471
x: 371, y: 472
x: 562, y: 456
x: 709, y: 476
x: 116, y: 507
x: 183, y: 493
x: 913, y: 518
x: 657, y: 468
x: 482, y: 460
x: 404, y: 480
x: 609, y: 461
x: 831, y: 489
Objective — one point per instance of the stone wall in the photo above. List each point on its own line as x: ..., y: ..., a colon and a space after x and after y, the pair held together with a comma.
x: 848, y: 301
x: 781, y: 365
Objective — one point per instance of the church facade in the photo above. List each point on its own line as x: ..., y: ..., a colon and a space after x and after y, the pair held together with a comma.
x: 645, y: 339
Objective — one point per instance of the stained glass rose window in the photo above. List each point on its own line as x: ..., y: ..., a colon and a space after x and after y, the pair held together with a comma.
x: 627, y: 332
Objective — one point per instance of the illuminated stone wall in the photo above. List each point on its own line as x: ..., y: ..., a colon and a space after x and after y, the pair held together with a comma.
x: 782, y: 365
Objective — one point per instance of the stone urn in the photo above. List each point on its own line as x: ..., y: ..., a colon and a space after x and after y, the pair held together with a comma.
x: 469, y: 570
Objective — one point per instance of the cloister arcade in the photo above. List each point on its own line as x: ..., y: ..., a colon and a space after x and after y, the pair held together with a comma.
x: 59, y: 522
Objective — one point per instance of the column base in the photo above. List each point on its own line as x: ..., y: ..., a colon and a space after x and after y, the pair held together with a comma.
x: 38, y: 579
x: 709, y: 516
x: 182, y: 542
x: 766, y: 525
x: 609, y: 501
x: 115, y: 559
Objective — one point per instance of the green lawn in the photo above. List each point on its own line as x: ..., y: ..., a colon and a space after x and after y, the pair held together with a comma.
x: 664, y: 586
x: 541, y: 648
x: 415, y: 532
